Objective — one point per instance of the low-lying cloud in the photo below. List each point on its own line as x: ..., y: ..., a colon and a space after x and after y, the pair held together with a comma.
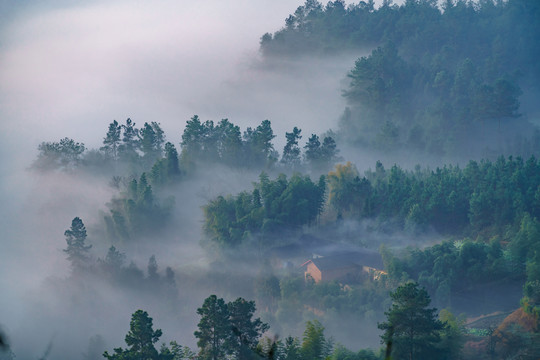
x: 67, y: 69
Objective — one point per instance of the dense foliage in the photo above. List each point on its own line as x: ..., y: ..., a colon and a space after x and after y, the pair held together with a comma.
x: 65, y: 154
x: 412, y: 329
x: 505, y: 251
x: 273, y: 206
x: 422, y: 29
x: 128, y: 150
x: 438, y: 74
x: 136, y: 212
x: 140, y: 339
x: 227, y: 329
x: 219, y: 329
x: 483, y: 195
x: 359, y: 304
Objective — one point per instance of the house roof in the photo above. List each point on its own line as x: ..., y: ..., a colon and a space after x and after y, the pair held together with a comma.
x: 368, y: 258
x: 287, y: 251
x: 329, y: 249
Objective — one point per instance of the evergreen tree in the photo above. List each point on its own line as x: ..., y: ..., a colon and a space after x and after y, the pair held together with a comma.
x: 258, y: 145
x: 291, y: 151
x: 314, y: 344
x: 77, y: 251
x: 145, y: 197
x: 411, y: 327
x: 452, y: 335
x: 65, y: 154
x: 321, y: 156
x: 214, y: 332
x: 166, y: 170
x: 112, y: 141
x: 263, y: 139
x: 342, y: 353
x: 192, y: 140
x: 114, y: 261
x: 312, y: 151
x: 380, y: 81
x: 177, y: 352
x: 329, y: 151
x: 245, y: 331
x: 140, y: 339
x: 130, y: 142
x: 151, y: 142
x: 172, y: 164
x: 229, y: 142
x: 292, y: 349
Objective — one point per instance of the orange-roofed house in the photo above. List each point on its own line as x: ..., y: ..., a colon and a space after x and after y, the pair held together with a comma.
x: 347, y: 268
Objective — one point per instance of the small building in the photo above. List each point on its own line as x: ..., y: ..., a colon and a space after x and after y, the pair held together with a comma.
x: 345, y: 267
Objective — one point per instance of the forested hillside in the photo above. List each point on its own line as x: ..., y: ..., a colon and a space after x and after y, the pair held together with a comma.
x: 245, y: 243
x: 452, y: 79
x: 486, y: 214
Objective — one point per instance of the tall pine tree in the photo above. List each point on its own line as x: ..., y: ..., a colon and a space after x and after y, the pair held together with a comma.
x: 411, y: 328
x: 140, y: 339
x: 214, y: 329
x: 77, y: 250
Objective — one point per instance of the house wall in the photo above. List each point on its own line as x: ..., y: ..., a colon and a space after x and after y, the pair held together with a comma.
x: 340, y: 273
x: 346, y: 273
x: 314, y: 272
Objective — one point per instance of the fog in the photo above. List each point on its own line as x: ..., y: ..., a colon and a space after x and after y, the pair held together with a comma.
x: 67, y: 69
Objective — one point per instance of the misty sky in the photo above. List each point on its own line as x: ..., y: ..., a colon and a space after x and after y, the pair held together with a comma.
x: 69, y: 71
x: 68, y: 68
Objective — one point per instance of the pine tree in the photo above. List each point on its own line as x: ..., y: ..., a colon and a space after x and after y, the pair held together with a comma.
x: 291, y: 151
x: 113, y: 262
x: 172, y: 164
x: 130, y: 142
x: 312, y: 152
x: 411, y: 327
x: 291, y: 349
x: 112, y: 140
x: 140, y: 339
x: 229, y: 142
x: 329, y: 151
x: 77, y: 251
x: 214, y: 329
x: 314, y: 344
x: 65, y: 154
x: 245, y: 331
x: 258, y: 146
x: 151, y: 140
x: 192, y: 141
